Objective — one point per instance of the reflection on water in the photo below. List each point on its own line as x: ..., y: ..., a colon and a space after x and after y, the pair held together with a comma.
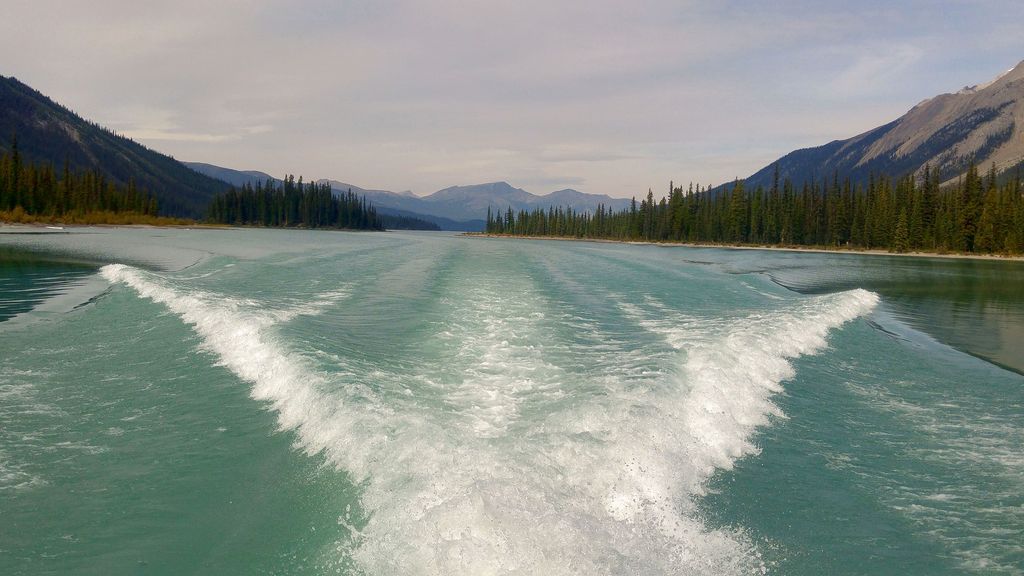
x: 976, y: 306
x: 27, y: 279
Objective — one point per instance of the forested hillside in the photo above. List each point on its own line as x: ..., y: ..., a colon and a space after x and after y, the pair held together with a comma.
x: 293, y: 203
x: 50, y: 134
x: 33, y: 192
x: 976, y: 215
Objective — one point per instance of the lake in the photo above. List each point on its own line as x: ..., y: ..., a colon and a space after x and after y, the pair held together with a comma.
x: 292, y: 402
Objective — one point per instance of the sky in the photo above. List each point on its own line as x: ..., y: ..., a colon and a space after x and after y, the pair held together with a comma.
x: 603, y: 96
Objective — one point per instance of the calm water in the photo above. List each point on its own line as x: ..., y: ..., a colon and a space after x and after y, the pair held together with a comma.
x: 275, y: 402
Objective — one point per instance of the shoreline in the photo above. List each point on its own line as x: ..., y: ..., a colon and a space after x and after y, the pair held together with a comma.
x: 59, y: 228
x: 809, y: 249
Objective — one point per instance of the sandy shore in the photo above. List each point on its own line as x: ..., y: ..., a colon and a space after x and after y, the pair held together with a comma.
x: 849, y: 251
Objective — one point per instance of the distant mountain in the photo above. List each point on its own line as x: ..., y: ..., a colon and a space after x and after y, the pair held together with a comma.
x: 582, y: 200
x: 465, y: 207
x: 397, y: 222
x: 233, y: 177
x: 475, y: 225
x: 984, y: 122
x: 395, y: 198
x: 465, y: 203
x: 453, y: 208
x: 394, y: 218
x: 49, y: 133
x: 473, y: 201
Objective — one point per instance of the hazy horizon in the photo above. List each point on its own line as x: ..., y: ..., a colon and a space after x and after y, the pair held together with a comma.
x: 602, y: 98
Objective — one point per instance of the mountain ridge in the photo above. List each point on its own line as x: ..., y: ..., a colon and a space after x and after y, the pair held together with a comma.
x: 50, y: 133
x: 983, y: 123
x: 461, y: 207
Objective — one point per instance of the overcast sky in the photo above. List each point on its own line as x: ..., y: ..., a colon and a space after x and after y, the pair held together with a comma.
x: 603, y: 96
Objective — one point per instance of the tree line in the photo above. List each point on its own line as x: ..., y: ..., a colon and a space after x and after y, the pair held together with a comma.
x: 37, y: 191
x: 293, y: 203
x: 976, y: 214
x: 397, y: 222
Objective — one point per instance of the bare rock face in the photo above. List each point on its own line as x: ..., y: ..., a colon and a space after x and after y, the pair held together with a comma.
x: 983, y: 122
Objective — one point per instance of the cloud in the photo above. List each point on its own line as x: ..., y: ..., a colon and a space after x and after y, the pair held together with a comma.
x: 871, y: 72
x: 407, y: 94
x: 166, y: 135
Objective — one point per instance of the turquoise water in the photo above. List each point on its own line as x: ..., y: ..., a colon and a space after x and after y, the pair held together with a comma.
x: 287, y: 402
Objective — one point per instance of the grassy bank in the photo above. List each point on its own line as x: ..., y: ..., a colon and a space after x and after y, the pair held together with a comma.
x: 97, y: 218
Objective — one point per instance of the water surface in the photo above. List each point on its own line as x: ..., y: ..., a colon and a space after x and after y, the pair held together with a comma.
x: 288, y: 402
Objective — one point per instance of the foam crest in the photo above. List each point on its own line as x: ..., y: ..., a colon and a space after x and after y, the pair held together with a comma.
x: 728, y: 376
x: 731, y: 381
x: 238, y: 334
x: 390, y: 456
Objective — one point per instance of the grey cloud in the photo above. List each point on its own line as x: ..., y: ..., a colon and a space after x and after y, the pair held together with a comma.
x: 399, y: 94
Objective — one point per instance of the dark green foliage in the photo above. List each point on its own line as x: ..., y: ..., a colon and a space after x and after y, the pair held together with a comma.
x: 50, y: 134
x: 397, y: 222
x: 38, y: 190
x: 901, y: 236
x: 907, y: 214
x: 291, y: 203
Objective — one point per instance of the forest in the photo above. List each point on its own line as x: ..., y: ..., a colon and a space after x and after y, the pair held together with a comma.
x: 37, y: 192
x: 976, y: 214
x: 293, y: 203
x: 396, y: 222
x: 31, y: 192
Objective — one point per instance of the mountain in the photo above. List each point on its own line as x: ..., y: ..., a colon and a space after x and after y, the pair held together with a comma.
x: 395, y: 197
x: 465, y: 207
x: 233, y: 177
x: 582, y: 200
x: 475, y: 225
x: 984, y: 122
x: 393, y: 219
x: 50, y: 133
x: 453, y: 208
x: 464, y: 203
x: 473, y: 201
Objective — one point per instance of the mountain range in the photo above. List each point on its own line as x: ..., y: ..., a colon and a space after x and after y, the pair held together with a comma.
x: 453, y: 208
x: 983, y: 122
x: 467, y: 203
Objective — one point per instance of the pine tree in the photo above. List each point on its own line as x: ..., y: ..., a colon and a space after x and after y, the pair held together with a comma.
x: 901, y: 235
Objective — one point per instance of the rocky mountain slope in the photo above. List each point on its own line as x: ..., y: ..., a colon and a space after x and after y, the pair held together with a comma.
x: 983, y: 122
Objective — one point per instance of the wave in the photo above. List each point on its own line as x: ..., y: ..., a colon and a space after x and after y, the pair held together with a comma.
x: 507, y: 469
x: 237, y: 332
x: 730, y: 372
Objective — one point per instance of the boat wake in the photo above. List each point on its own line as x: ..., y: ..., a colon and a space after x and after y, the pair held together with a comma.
x: 500, y: 464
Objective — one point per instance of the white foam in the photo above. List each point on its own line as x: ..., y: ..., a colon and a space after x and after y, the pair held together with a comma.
x: 466, y: 483
x: 15, y: 477
x: 728, y: 377
x: 313, y: 307
x: 239, y: 337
